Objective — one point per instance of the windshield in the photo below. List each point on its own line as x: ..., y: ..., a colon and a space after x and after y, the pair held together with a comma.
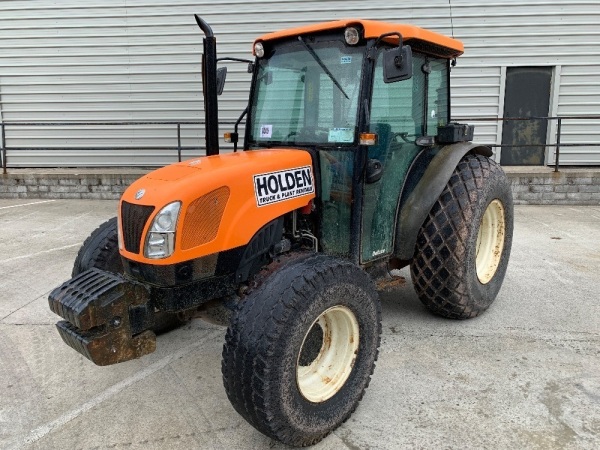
x: 307, y: 93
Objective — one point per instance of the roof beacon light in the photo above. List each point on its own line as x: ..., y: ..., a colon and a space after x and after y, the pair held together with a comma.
x: 351, y: 35
x: 259, y: 50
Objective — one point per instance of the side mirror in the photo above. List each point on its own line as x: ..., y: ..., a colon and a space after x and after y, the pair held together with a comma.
x: 397, y: 64
x: 221, y: 75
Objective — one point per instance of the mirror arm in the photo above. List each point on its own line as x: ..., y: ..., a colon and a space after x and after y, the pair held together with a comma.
x: 235, y: 128
x: 373, y: 49
x: 227, y: 58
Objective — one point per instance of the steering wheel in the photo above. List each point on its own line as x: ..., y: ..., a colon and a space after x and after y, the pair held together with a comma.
x: 309, y: 134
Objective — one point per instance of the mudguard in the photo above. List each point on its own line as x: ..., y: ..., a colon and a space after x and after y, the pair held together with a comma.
x: 423, y: 187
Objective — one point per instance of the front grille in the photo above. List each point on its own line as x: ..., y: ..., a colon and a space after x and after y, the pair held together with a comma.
x: 133, y: 221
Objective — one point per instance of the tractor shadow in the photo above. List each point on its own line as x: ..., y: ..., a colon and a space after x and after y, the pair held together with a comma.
x: 400, y: 305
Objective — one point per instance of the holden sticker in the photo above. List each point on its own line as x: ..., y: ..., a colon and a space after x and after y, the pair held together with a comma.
x: 274, y: 187
x: 139, y: 194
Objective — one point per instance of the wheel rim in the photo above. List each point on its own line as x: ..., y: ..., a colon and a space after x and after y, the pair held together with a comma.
x: 490, y: 241
x: 327, y: 354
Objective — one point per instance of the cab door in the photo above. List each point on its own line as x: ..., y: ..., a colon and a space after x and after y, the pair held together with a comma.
x: 400, y: 113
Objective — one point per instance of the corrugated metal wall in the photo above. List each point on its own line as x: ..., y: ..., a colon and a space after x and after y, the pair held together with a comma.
x: 108, y: 60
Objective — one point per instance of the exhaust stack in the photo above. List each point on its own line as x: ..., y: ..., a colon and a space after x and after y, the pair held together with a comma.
x: 209, y: 87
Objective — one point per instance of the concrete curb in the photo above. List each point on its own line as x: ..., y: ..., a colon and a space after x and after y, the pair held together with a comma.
x: 530, y: 185
x: 543, y: 186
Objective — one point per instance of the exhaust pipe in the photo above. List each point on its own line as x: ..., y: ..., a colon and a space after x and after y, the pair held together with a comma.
x: 209, y: 87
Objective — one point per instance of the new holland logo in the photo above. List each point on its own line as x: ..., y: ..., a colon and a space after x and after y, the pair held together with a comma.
x: 276, y: 187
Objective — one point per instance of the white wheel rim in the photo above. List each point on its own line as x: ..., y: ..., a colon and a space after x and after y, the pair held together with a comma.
x: 329, y: 370
x: 490, y: 241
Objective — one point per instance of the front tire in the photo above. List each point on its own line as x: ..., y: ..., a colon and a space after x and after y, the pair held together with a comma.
x: 463, y: 247
x: 100, y: 250
x: 300, y: 350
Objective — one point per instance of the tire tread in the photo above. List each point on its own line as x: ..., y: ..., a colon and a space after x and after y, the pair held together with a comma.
x: 262, y: 318
x: 438, y: 270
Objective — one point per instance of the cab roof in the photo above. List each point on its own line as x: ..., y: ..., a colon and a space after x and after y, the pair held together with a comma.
x: 421, y: 39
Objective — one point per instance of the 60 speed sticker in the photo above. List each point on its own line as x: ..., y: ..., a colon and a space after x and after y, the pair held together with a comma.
x: 283, y: 185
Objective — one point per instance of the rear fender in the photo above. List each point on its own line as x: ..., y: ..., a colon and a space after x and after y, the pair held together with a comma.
x: 424, y: 184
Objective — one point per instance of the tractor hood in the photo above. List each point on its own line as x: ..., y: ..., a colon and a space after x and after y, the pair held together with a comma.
x: 225, y: 199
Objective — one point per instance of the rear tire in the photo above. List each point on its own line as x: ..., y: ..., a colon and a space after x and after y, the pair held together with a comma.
x: 300, y: 350
x: 463, y: 247
x: 101, y: 250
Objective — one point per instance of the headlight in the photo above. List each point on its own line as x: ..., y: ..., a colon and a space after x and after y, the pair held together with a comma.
x: 160, y: 241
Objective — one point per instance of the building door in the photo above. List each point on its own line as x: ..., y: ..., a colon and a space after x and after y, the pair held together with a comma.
x: 527, y: 94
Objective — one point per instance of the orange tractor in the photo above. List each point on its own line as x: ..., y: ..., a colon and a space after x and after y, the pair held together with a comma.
x: 351, y: 167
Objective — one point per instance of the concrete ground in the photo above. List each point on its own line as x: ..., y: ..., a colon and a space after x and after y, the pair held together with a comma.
x: 526, y: 374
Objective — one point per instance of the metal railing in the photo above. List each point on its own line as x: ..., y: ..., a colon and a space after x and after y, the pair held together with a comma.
x: 179, y: 124
x: 558, y: 144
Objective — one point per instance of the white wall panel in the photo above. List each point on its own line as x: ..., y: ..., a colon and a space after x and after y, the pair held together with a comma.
x: 109, y: 60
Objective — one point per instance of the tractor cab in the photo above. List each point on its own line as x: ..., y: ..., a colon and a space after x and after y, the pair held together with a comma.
x: 365, y: 98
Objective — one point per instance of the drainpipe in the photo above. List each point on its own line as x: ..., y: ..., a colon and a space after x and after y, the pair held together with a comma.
x: 3, y: 137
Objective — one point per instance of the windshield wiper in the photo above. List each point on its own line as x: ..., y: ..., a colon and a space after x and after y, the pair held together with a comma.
x: 323, y: 66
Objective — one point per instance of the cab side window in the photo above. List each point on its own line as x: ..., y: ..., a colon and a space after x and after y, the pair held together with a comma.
x: 398, y: 108
x: 438, y: 111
